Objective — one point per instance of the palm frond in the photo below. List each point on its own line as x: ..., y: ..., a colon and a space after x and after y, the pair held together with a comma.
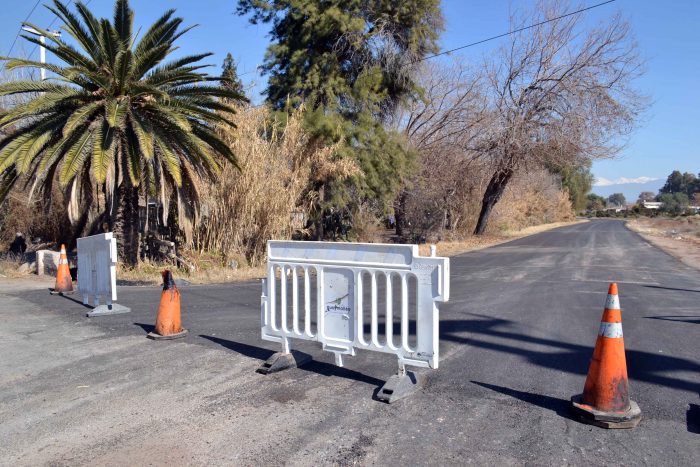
x: 80, y: 116
x: 102, y: 152
x: 28, y: 87
x: 170, y: 161
x: 74, y: 27
x: 74, y: 158
x: 123, y: 20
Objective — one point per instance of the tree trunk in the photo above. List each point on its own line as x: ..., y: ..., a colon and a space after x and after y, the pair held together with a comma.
x: 126, y: 224
x: 400, y: 213
x: 494, y: 191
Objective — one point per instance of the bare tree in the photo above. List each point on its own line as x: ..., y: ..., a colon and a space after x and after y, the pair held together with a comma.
x: 557, y: 93
x: 441, y: 126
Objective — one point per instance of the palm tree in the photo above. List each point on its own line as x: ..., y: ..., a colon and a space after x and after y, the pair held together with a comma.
x: 116, y: 122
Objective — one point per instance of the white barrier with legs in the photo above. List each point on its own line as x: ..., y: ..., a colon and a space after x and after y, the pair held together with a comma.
x: 97, y: 273
x: 358, y: 289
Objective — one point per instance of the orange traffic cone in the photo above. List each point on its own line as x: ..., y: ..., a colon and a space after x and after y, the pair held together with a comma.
x: 64, y: 283
x: 168, y: 324
x: 605, y: 401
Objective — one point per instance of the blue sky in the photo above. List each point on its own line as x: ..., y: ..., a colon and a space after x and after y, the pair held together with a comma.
x: 668, y: 34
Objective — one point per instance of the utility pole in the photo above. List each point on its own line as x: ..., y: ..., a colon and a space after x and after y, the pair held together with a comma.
x: 42, y: 50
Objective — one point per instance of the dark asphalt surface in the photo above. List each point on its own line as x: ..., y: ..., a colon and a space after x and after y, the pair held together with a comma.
x: 516, y: 338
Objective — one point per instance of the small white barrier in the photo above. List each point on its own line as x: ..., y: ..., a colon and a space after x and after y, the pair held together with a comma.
x: 403, y: 288
x: 97, y: 273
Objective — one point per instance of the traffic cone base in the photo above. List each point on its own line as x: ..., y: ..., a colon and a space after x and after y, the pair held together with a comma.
x: 64, y: 282
x: 158, y: 337
x: 61, y: 292
x: 605, y: 400
x: 587, y: 414
x: 168, y: 324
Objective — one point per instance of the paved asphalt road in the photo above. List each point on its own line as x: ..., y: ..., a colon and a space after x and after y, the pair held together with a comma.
x: 516, y: 339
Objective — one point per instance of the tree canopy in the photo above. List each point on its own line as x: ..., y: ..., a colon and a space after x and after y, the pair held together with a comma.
x: 349, y: 62
x: 678, y: 182
x: 617, y: 199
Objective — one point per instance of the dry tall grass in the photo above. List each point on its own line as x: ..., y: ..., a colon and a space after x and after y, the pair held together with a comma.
x: 270, y: 196
x: 19, y: 213
x: 531, y: 199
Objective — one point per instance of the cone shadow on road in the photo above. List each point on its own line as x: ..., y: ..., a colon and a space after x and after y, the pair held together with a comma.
x: 677, y: 318
x: 560, y: 406
x: 670, y: 288
x: 693, y: 418
x: 321, y: 368
x: 572, y: 358
x: 146, y: 327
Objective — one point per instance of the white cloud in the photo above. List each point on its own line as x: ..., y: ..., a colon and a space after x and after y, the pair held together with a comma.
x: 600, y: 181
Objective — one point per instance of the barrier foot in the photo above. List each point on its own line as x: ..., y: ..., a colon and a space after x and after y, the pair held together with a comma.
x: 590, y: 415
x: 104, y: 310
x: 400, y: 386
x: 282, y: 361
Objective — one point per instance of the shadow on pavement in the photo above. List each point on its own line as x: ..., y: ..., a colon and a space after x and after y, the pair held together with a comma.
x: 243, y: 349
x: 693, y: 418
x: 146, y: 327
x: 670, y: 288
x: 680, y: 319
x: 572, y: 358
x: 560, y: 406
x: 79, y: 302
x: 321, y: 368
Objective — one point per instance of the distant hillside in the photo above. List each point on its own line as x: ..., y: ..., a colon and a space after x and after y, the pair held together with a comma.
x: 630, y: 190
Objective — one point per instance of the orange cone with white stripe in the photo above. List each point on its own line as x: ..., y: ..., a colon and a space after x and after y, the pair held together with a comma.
x: 605, y: 400
x: 64, y: 283
x: 168, y: 324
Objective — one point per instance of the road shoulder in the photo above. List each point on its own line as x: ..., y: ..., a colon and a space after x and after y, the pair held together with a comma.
x: 683, y: 249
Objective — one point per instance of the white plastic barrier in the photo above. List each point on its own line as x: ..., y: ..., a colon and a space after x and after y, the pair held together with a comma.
x: 97, y: 273
x: 400, y: 283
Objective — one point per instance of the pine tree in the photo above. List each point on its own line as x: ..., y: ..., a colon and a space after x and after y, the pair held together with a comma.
x: 350, y: 62
x: 229, y: 76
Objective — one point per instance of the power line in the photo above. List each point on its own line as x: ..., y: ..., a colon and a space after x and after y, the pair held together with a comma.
x: 19, y: 30
x: 446, y: 52
x: 52, y: 22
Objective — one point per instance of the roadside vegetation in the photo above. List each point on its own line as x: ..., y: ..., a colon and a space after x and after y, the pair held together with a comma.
x: 364, y: 135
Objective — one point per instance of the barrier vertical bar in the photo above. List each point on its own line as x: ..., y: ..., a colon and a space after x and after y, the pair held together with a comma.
x: 375, y: 319
x: 389, y: 313
x: 283, y: 297
x: 404, y: 313
x: 295, y: 301
x: 307, y: 303
x: 360, y: 308
x: 273, y: 298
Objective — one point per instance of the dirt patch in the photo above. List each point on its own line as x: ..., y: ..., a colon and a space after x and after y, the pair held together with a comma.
x: 679, y: 237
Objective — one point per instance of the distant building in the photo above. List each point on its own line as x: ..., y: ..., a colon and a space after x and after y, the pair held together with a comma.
x: 652, y: 204
x: 615, y: 209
